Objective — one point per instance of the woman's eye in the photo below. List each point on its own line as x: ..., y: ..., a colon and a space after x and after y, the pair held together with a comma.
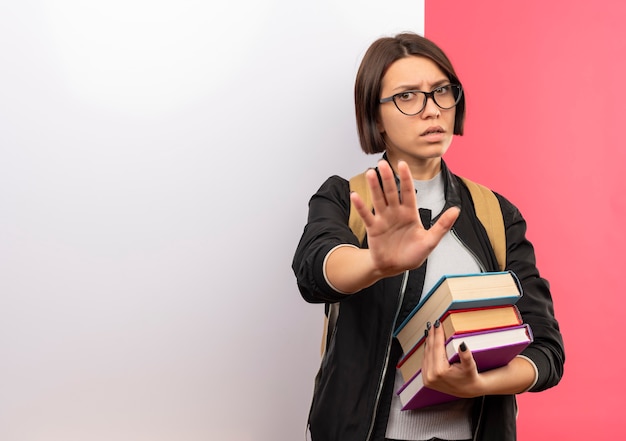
x: 442, y: 90
x: 406, y: 96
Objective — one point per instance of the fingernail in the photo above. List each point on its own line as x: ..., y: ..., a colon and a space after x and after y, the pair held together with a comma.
x: 428, y: 325
x: 437, y: 323
x: 425, y: 332
x: 463, y: 347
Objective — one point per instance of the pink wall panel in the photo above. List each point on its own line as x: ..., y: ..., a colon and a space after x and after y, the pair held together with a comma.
x: 546, y: 96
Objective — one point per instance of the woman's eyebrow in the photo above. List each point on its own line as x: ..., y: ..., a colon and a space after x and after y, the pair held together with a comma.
x: 416, y: 87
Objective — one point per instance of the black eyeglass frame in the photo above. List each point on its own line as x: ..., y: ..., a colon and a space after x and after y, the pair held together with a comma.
x: 427, y: 95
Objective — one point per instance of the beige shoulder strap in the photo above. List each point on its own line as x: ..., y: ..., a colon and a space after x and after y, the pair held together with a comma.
x: 358, y: 184
x: 489, y: 213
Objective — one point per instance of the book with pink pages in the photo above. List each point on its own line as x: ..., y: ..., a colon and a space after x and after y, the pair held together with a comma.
x: 491, y: 349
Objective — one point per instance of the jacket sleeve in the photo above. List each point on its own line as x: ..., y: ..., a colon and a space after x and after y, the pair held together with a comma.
x: 535, y: 305
x: 327, y: 227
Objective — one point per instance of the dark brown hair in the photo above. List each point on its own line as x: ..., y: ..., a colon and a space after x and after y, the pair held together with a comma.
x: 380, y: 55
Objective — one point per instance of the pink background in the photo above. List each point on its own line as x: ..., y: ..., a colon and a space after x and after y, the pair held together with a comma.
x: 546, y: 95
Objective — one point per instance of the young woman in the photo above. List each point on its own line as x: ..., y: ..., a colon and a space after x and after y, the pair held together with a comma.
x: 409, y: 104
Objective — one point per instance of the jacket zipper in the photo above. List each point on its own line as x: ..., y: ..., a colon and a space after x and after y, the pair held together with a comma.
x: 381, y: 379
x: 480, y: 419
x: 469, y: 250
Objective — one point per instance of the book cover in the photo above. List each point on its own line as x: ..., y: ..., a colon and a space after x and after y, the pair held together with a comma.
x: 458, y: 291
x: 461, y: 321
x: 490, y: 349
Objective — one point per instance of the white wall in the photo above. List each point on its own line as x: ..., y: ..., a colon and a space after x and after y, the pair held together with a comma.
x: 156, y: 159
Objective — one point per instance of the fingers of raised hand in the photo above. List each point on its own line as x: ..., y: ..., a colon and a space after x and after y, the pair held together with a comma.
x: 361, y: 208
x: 385, y: 191
x: 444, y: 223
x: 407, y: 189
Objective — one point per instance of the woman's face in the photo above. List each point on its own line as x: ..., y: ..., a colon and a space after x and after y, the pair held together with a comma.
x: 422, y: 139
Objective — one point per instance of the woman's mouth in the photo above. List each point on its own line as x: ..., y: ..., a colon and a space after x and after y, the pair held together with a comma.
x: 435, y: 130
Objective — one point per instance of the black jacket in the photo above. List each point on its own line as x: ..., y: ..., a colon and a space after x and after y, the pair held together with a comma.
x: 354, y: 385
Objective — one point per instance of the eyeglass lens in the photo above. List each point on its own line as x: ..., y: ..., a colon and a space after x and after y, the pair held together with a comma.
x: 413, y: 102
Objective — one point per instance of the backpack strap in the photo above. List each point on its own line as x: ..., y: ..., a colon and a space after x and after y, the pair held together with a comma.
x: 489, y: 213
x: 358, y: 184
x: 485, y: 202
x: 331, y: 313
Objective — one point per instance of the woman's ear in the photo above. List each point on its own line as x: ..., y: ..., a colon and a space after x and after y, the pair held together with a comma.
x: 379, y: 126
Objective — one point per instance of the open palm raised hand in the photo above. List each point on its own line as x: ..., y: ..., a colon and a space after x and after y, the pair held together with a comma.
x: 396, y: 238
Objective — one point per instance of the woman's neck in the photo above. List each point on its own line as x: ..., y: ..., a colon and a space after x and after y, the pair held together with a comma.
x: 422, y: 169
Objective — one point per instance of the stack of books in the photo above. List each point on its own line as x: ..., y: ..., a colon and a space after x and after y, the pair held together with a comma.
x: 477, y: 309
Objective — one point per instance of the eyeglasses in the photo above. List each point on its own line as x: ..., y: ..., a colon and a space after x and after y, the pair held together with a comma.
x: 412, y: 102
